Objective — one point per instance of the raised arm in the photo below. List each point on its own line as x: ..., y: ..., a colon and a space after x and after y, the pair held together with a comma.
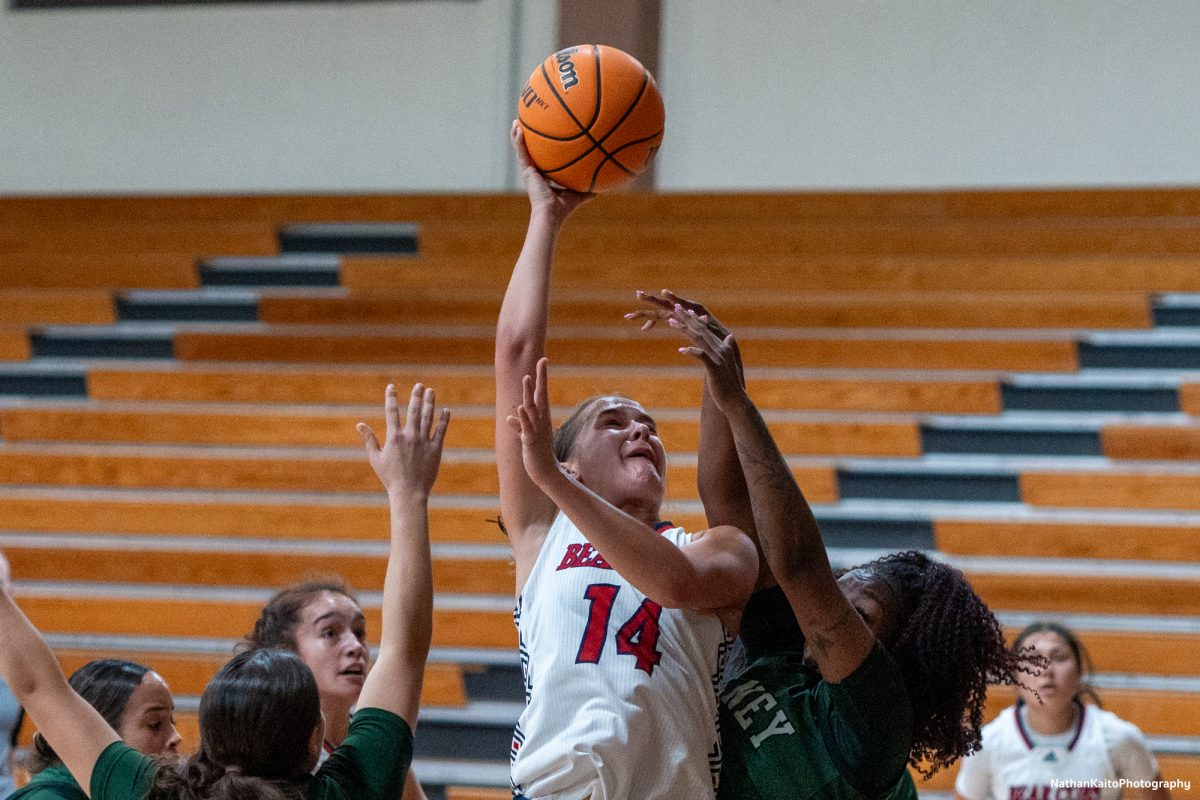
x: 788, y: 534
x: 520, y: 342
x: 720, y: 478
x: 73, y: 728
x: 407, y: 465
x: 716, y: 572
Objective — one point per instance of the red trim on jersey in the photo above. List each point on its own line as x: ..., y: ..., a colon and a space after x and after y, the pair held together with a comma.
x: 328, y: 745
x: 664, y: 525
x: 1028, y: 740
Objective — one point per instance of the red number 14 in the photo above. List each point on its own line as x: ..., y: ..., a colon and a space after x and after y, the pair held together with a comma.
x: 638, y: 637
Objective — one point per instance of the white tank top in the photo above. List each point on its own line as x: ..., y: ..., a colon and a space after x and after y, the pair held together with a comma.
x: 620, y: 692
x: 1087, y: 765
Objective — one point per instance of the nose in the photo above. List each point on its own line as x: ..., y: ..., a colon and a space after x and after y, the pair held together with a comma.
x: 641, y: 430
x: 356, y: 647
x: 174, y: 740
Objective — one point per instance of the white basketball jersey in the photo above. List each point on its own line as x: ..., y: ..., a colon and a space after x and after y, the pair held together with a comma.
x: 1010, y: 766
x: 621, y: 694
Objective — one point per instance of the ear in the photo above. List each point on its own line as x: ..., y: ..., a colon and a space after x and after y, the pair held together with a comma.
x: 572, y: 468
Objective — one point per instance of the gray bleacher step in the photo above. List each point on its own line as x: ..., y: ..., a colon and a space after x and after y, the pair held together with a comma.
x: 380, y: 238
x: 1121, y: 393
x: 1163, y: 348
x: 205, y: 305
x: 131, y: 340
x: 42, y: 380
x: 480, y: 730
x: 910, y: 481
x: 299, y: 269
x: 1177, y: 309
x: 1012, y: 436
x: 437, y: 774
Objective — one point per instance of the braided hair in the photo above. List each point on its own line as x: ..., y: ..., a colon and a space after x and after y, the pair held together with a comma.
x: 949, y: 647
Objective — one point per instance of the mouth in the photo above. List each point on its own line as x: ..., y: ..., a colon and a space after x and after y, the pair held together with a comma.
x: 358, y: 671
x: 643, y: 452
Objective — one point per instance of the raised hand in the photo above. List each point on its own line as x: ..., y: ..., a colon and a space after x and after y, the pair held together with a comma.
x: 533, y: 424
x: 543, y: 194
x: 719, y: 354
x: 407, y: 462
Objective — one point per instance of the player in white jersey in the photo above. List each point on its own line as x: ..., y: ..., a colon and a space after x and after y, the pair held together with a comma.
x: 1052, y: 746
x: 622, y: 627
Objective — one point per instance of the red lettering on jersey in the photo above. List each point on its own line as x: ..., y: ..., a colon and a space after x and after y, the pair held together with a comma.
x: 1017, y: 793
x: 582, y: 555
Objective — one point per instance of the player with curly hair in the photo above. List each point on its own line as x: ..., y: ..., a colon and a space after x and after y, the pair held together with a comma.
x: 844, y: 681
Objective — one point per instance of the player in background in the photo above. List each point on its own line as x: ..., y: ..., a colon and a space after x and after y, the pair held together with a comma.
x: 1052, y: 735
x: 846, y: 680
x: 623, y: 620
x: 132, y: 698
x: 320, y: 621
x: 260, y: 718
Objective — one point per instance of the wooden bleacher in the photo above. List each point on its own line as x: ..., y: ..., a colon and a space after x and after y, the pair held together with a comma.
x: 149, y: 511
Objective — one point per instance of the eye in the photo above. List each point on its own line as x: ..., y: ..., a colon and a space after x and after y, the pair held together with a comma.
x: 328, y: 633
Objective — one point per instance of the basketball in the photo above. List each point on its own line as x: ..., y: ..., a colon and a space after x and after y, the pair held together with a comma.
x: 592, y: 117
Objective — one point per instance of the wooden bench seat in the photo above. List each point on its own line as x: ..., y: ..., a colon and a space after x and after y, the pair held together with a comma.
x: 1090, y: 594
x: 1152, y: 442
x: 1112, y: 488
x: 346, y: 345
x: 165, y: 424
x: 57, y: 306
x: 203, y: 238
x: 185, y: 616
x: 124, y: 467
x: 1133, y: 651
x: 456, y: 386
x: 1038, y: 539
x: 870, y: 309
x: 235, y: 567
x: 239, y: 567
x: 700, y: 206
x: 132, y: 512
x: 14, y: 343
x: 713, y: 271
x: 57, y: 270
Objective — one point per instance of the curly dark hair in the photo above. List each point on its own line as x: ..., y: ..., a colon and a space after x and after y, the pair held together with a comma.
x: 949, y: 648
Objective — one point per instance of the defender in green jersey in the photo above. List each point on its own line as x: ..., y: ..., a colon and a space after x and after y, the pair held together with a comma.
x: 844, y: 680
x: 261, y: 726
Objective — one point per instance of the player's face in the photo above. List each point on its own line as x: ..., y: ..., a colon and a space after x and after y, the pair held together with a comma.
x: 148, y: 723
x: 619, y: 455
x: 332, y: 639
x: 1058, y: 684
x: 873, y: 601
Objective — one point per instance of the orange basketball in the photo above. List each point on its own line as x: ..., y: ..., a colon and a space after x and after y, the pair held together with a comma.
x: 592, y: 117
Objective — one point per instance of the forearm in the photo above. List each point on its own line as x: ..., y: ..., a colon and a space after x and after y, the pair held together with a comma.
x: 26, y: 661
x: 787, y: 531
x: 654, y: 565
x: 407, y: 611
x: 524, y: 312
x: 720, y: 479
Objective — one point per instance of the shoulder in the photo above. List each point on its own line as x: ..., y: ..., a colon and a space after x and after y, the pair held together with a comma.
x: 54, y: 783
x: 1118, y: 733
x: 1113, y: 727
x: 122, y: 772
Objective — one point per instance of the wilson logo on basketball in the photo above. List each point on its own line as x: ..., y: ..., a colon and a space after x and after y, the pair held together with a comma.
x: 566, y: 68
x: 529, y: 97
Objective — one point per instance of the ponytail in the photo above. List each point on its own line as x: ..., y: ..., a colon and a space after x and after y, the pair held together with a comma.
x: 199, y: 779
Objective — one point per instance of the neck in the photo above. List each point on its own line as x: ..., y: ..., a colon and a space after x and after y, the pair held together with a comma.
x: 337, y: 720
x: 643, y: 512
x: 1051, y: 720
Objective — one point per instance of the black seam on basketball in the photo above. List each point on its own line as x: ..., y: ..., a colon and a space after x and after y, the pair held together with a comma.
x: 628, y: 110
x: 529, y: 128
x: 596, y: 110
x: 599, y: 144
x: 571, y: 114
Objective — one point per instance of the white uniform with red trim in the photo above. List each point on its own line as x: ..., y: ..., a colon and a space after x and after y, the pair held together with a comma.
x: 621, y: 694
x: 1016, y: 764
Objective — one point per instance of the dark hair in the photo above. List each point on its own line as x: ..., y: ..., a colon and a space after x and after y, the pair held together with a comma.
x: 257, y: 717
x: 1082, y: 660
x: 276, y: 625
x: 106, y: 684
x: 949, y: 647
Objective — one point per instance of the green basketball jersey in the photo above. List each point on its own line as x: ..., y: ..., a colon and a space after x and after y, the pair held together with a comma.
x: 789, y: 735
